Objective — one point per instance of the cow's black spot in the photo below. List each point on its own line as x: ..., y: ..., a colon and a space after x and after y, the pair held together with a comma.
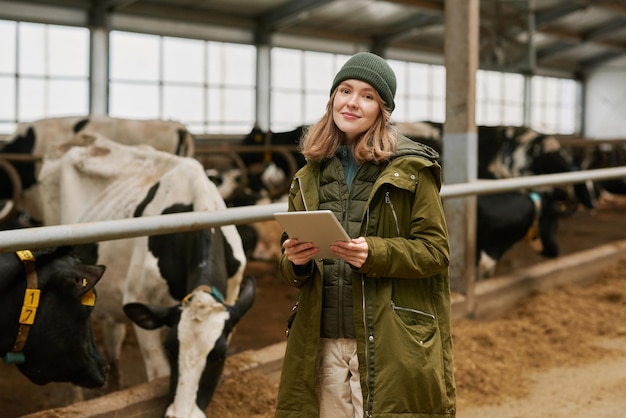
x: 146, y: 200
x: 188, y: 259
x: 80, y: 125
x: 232, y: 263
x: 182, y: 134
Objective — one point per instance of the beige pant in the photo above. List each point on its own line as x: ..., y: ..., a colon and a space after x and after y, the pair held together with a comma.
x: 337, y: 384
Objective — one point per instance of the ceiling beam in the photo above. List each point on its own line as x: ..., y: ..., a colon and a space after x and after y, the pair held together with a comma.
x: 435, y: 6
x: 30, y: 11
x: 290, y: 12
x: 404, y: 30
x: 568, y: 40
x: 612, y: 5
x: 113, y: 5
x: 555, y: 13
x: 605, y: 29
x: 180, y: 14
x: 284, y: 15
x: 600, y: 59
x: 555, y: 48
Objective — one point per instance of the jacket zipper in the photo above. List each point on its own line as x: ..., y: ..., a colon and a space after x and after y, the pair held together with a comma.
x: 302, y: 194
x: 415, y: 311
x: 368, y: 403
x: 393, y: 211
x: 369, y: 411
x: 340, y: 330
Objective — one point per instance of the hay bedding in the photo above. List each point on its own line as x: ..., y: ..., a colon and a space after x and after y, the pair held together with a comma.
x: 495, y: 360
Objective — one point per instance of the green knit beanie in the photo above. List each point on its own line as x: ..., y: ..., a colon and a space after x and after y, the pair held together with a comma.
x: 372, y: 69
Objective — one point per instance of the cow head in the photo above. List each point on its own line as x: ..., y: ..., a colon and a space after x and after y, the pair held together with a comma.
x: 60, y: 344
x: 196, y: 344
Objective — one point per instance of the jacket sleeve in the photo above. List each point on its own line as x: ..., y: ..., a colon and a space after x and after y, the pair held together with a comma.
x: 425, y: 252
x: 294, y: 275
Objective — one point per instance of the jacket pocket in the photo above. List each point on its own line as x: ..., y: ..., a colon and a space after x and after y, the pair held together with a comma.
x: 421, y: 325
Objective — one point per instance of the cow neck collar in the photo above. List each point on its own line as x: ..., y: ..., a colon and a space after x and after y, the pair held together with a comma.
x: 211, y: 290
x: 533, y: 231
x: 29, y: 307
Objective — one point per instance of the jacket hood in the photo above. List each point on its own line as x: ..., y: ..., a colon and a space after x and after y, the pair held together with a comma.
x: 406, y: 146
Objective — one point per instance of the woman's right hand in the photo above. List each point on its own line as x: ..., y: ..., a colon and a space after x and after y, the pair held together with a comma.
x: 299, y: 253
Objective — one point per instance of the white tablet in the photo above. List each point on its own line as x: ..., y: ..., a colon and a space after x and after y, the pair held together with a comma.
x: 320, y: 227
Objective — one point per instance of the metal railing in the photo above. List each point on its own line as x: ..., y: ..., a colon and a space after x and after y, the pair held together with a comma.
x: 70, y: 234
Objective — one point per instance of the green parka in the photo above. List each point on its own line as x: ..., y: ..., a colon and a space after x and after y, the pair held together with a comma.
x: 401, y: 301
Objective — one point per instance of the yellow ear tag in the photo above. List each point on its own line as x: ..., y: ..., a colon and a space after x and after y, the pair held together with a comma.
x: 89, y: 298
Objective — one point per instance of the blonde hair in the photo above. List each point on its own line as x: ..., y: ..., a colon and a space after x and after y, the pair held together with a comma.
x: 321, y: 140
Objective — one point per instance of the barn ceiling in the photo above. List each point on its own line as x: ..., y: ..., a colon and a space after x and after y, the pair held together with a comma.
x: 525, y: 36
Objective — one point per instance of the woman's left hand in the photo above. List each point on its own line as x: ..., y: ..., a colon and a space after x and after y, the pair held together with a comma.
x: 354, y: 252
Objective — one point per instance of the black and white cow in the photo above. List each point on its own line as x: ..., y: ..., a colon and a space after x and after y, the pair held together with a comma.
x: 506, y: 152
x: 60, y: 345
x: 287, y: 138
x: 94, y: 179
x: 509, y: 151
x: 164, y: 135
x: 604, y: 155
x: 197, y: 342
x: 40, y: 137
x: 268, y: 173
x: 503, y: 219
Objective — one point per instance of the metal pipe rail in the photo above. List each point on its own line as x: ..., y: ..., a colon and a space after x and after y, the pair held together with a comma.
x: 483, y: 186
x: 70, y: 234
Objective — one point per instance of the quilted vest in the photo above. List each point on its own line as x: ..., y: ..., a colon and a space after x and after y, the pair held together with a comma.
x: 348, y: 205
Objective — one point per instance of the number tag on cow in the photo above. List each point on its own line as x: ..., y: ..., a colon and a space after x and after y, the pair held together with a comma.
x: 89, y: 298
x: 29, y: 309
x: 31, y: 298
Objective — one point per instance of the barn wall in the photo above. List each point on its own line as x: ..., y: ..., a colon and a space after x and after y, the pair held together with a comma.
x: 605, y: 101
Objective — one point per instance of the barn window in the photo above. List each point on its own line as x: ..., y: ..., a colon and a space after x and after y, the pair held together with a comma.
x: 420, y: 93
x: 554, y: 105
x: 44, y: 72
x: 208, y: 86
x: 499, y: 98
x: 301, y: 83
x: 300, y: 86
x: 211, y: 86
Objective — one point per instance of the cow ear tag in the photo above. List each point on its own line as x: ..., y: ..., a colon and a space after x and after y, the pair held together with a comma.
x: 89, y: 298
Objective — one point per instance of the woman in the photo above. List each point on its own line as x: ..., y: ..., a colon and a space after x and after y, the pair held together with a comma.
x: 371, y: 331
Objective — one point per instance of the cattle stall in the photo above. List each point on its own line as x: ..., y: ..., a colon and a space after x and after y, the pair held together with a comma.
x: 147, y: 400
x: 110, y: 228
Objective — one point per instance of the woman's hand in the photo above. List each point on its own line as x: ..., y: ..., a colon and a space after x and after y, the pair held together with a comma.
x: 354, y: 252
x: 299, y: 253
